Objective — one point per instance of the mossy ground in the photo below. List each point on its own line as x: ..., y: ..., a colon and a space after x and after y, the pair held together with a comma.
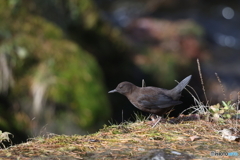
x: 129, y: 141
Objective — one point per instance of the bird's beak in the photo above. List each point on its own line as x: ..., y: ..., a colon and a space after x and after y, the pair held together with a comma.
x: 112, y: 91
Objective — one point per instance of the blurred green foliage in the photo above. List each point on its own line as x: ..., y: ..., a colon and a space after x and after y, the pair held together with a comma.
x: 84, y: 10
x: 43, y: 59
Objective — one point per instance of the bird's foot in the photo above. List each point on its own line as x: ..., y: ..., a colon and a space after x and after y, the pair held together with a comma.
x: 157, y: 121
x: 153, y: 117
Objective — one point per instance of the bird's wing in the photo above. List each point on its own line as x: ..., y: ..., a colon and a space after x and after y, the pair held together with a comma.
x: 157, y: 101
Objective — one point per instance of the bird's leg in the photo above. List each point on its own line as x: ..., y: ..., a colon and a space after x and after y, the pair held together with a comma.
x: 149, y: 116
x: 153, y: 117
x: 158, y: 120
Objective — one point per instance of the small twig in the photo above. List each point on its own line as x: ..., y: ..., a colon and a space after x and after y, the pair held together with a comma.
x: 158, y: 120
x: 201, y: 109
x: 200, y: 74
x: 237, y: 108
x: 220, y: 82
x: 122, y: 116
x: 193, y: 91
x: 143, y: 83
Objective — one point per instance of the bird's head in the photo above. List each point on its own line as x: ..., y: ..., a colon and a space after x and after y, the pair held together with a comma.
x: 124, y: 88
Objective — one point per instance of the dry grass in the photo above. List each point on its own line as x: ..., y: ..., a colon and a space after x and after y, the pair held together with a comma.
x: 127, y: 141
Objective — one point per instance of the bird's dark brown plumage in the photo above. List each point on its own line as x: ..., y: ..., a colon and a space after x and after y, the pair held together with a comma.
x: 152, y: 99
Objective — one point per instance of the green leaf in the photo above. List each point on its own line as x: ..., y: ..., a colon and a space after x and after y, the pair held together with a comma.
x: 214, y: 108
x: 226, y: 108
x: 224, y: 104
x: 229, y: 102
x: 221, y: 111
x: 228, y: 116
x: 216, y: 116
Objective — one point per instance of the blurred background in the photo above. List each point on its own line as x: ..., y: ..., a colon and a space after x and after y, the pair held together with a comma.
x: 58, y: 58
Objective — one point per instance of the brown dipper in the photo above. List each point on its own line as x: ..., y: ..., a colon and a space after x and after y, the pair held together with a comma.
x: 152, y: 99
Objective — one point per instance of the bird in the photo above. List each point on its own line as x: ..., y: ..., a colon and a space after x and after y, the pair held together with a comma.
x: 150, y: 99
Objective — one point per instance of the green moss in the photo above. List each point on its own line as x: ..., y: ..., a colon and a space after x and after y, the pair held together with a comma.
x: 41, y: 56
x: 86, y: 11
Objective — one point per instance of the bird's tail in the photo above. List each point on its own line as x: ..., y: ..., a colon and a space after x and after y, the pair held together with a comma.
x: 182, y: 85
